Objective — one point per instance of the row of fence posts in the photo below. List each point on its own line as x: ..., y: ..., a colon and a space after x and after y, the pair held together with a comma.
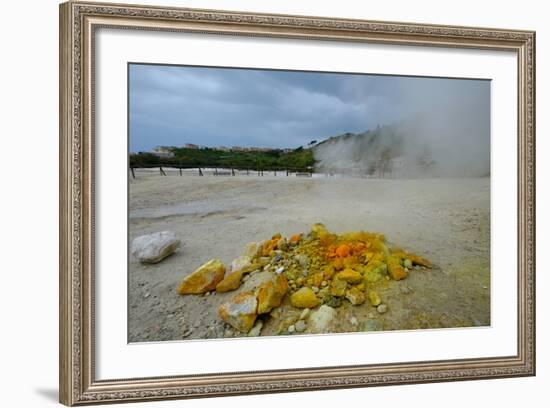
x: 216, y: 173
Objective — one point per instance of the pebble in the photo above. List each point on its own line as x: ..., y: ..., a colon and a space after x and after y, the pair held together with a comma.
x: 147, y: 295
x: 277, y: 258
x: 353, y: 321
x: 324, y: 283
x: 300, y: 326
x: 304, y: 313
x: 291, y: 328
x: 382, y: 309
x: 246, y: 277
x: 207, y: 294
x: 315, y: 289
x: 255, y: 331
x: 280, y: 269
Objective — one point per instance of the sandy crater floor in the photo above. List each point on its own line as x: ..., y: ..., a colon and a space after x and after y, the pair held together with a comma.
x: 445, y: 220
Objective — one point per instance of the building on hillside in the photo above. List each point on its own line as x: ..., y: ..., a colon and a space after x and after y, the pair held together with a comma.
x: 163, y: 152
x: 191, y: 146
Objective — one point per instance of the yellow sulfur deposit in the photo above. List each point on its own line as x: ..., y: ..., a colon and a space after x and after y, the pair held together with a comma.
x: 204, y: 279
x: 307, y: 270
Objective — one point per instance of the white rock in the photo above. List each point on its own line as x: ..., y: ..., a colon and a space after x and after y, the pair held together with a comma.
x: 291, y: 328
x: 382, y: 309
x: 300, y: 326
x: 320, y: 320
x: 251, y: 249
x: 255, y: 331
x: 304, y: 313
x: 353, y: 321
x: 241, y: 262
x: 153, y: 248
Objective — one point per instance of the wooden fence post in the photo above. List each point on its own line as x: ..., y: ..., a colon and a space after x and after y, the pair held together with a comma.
x: 133, y: 174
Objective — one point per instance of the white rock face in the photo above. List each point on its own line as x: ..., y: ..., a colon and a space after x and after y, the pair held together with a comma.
x: 153, y: 248
x: 320, y: 320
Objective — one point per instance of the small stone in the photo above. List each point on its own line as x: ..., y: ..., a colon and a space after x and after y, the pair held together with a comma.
x: 204, y: 279
x: 241, y: 263
x: 407, y: 263
x: 277, y: 258
x: 146, y: 295
x: 207, y: 294
x: 230, y: 282
x: 355, y: 296
x: 255, y: 332
x: 350, y: 276
x: 382, y: 309
x: 251, y: 249
x: 395, y: 269
x: 338, y: 287
x: 291, y: 328
x: 353, y: 321
x: 374, y: 298
x: 280, y: 269
x: 300, y: 326
x: 240, y: 312
x: 315, y: 289
x: 304, y: 313
x: 320, y: 320
x: 271, y: 293
x: 153, y: 248
x: 304, y: 298
x: 324, y: 283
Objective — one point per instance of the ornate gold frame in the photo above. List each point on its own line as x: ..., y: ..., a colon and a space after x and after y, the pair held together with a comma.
x: 78, y: 22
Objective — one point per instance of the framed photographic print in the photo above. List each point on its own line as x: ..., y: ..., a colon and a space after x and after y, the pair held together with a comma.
x: 260, y: 203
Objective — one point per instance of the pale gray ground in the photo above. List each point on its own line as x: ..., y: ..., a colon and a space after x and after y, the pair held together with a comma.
x: 445, y: 220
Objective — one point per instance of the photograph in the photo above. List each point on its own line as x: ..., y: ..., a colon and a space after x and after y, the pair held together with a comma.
x: 268, y: 202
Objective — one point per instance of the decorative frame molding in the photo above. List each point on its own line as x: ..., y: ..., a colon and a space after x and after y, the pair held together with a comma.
x: 78, y: 22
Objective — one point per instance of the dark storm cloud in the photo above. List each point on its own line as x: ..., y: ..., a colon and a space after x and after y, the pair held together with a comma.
x: 172, y: 106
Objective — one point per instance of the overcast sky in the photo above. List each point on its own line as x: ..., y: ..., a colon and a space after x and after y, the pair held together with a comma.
x: 174, y: 105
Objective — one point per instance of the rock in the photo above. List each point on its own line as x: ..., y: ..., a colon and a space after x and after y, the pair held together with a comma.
x: 375, y: 271
x: 240, y: 312
x: 315, y: 289
x: 355, y: 296
x: 251, y: 249
x: 382, y: 309
x: 353, y: 321
x: 371, y: 325
x: 291, y: 328
x: 332, y: 301
x: 153, y: 248
x: 319, y: 321
x: 407, y: 263
x: 304, y: 313
x: 270, y: 294
x: 240, y: 263
x: 395, y: 269
x: 418, y: 260
x: 374, y: 298
x: 280, y: 269
x: 255, y: 332
x: 230, y: 282
x: 350, y: 276
x: 204, y: 279
x: 338, y: 287
x: 304, y: 297
x: 300, y: 326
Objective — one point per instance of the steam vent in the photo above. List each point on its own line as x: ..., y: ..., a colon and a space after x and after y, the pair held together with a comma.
x: 315, y: 282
